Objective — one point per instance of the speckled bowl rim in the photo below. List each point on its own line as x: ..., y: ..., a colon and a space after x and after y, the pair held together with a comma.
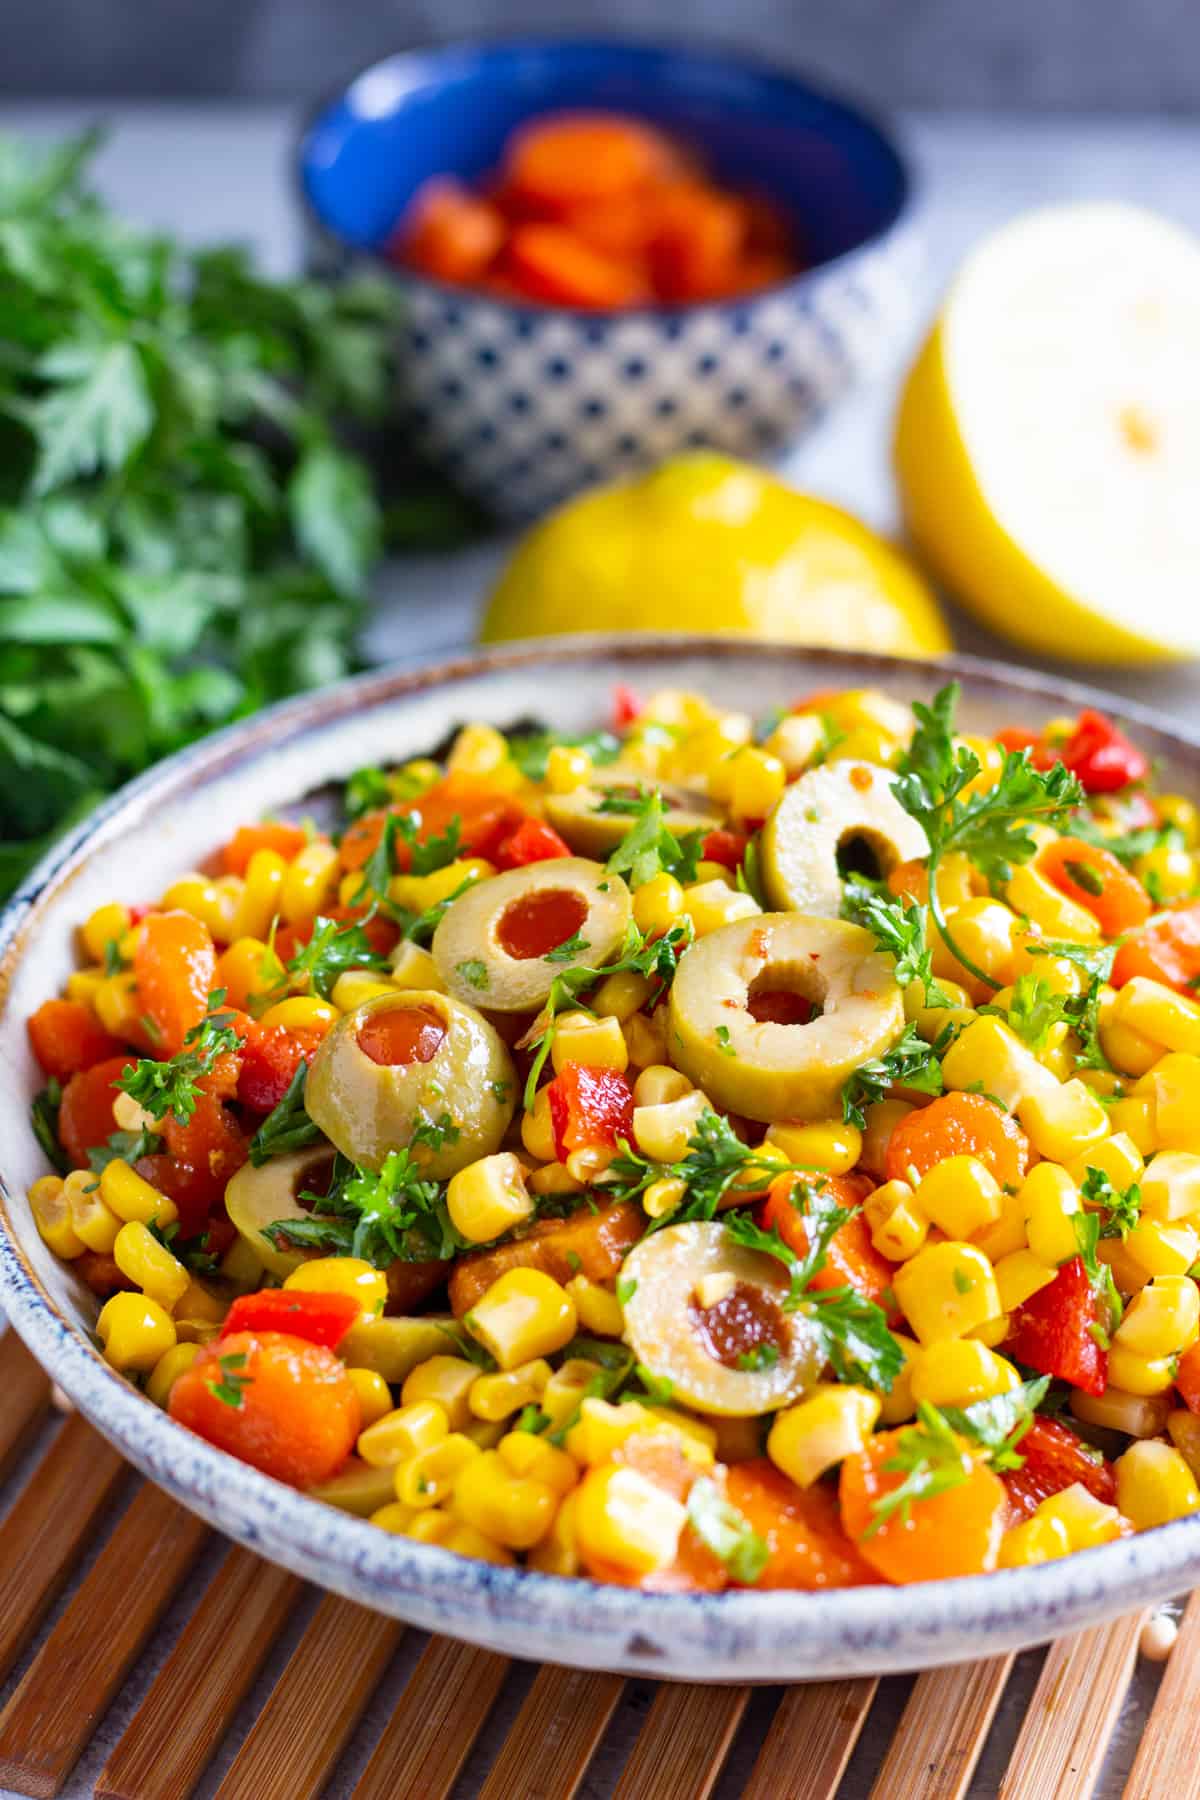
x: 735, y: 1636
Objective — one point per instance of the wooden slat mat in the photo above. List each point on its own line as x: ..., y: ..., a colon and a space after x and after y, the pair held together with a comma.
x: 142, y: 1659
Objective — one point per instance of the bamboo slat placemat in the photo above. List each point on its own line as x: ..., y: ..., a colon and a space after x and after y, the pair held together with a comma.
x: 143, y: 1658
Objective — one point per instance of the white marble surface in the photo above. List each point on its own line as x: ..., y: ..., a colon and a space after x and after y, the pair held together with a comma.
x: 219, y: 171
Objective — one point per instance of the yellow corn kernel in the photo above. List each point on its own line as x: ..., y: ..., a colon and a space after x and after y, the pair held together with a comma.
x: 309, y: 882
x: 1063, y: 1122
x: 1170, y: 1186
x: 403, y: 1433
x: 882, y: 1118
x: 758, y: 780
x: 141, y: 1258
x: 429, y: 1477
x: 430, y: 1525
x: 897, y: 1229
x: 707, y: 871
x: 526, y: 1454
x: 131, y: 1198
x: 200, y: 1305
x: 1136, y: 1374
x: 214, y: 905
x: 262, y: 887
x: 710, y: 752
x: 251, y: 967
x: 84, y: 984
x: 600, y: 1043
x: 413, y: 968
x: 350, y: 1275
x: 489, y: 1197
x: 984, y: 930
x: 959, y: 1371
x: 1184, y: 1429
x: 1170, y: 869
x: 659, y: 1085
x: 493, y: 1397
x: 96, y: 1224
x: 1118, y: 1157
x: 946, y: 1290
x: 107, y: 925
x: 115, y: 1004
x: 478, y: 750
x: 1038, y: 1540
x: 567, y: 768
x: 196, y: 1331
x: 931, y: 1021
x: 960, y: 1196
x: 553, y: 1178
x: 448, y: 1380
x: 135, y: 1332
x: 485, y: 1433
x: 989, y: 1053
x: 301, y: 1012
x: 621, y: 996
x: 663, y: 1196
x: 1058, y: 916
x: 567, y: 1388
x: 374, y: 1396
x: 357, y: 986
x: 657, y: 904
x: 1174, y: 1083
x: 710, y: 904
x: 1104, y: 1082
x: 558, y: 1552
x: 1020, y: 1274
x: 464, y: 1540
x: 1050, y: 1203
x: 1154, y: 1485
x: 513, y: 1510
x: 1006, y: 1234
x: 51, y: 1209
x: 829, y: 1424
x: 537, y: 1128
x: 396, y: 1519
x: 417, y: 892
x: 899, y: 1405
x: 697, y: 1437
x: 167, y: 1370
x: 1137, y: 1415
x: 992, y: 1331
x: 663, y: 1132
x: 1158, y: 1249
x: 1087, y: 1521
x: 646, y: 1038
x: 1159, y: 1013
x: 826, y: 1144
x: 1127, y: 1050
x: 623, y: 1519
x: 1133, y: 1117
x: 1163, y: 1319
x: 1179, y: 811
x: 524, y: 1314
x: 597, y: 1308
x: 602, y: 1428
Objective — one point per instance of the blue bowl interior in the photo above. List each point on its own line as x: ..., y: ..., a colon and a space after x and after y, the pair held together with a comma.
x: 450, y: 111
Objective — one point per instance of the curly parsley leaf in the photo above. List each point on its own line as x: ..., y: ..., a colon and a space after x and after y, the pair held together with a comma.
x: 173, y: 1087
x: 331, y: 950
x: 1120, y: 1209
x: 716, y: 1159
x: 649, y: 848
x: 999, y: 1424
x: 395, y: 1214
x: 911, y: 1063
x: 897, y: 924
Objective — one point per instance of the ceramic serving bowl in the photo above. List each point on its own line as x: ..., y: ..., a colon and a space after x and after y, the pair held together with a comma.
x: 521, y: 405
x: 171, y: 818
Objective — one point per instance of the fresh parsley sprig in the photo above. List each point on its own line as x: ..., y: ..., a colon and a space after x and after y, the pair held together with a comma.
x: 716, y: 1160
x: 910, y: 1063
x: 649, y: 848
x: 394, y: 1214
x: 333, y: 948
x: 1120, y: 1208
x: 940, y: 1451
x: 1082, y: 1011
x: 173, y: 1087
x: 897, y: 924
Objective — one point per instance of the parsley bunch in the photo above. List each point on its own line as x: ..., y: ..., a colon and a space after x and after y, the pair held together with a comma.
x: 173, y: 1087
x: 990, y: 827
x: 182, y: 539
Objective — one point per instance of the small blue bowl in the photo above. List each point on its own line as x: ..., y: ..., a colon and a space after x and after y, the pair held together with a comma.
x: 522, y: 405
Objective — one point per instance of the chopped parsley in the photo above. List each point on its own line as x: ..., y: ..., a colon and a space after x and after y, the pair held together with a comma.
x: 626, y: 1289
x: 395, y: 1214
x: 897, y: 923
x: 1121, y: 1210
x: 332, y: 949
x: 716, y: 1159
x: 763, y: 1356
x: 911, y: 1063
x: 724, y: 1043
x: 287, y: 1126
x: 230, y: 1388
x: 933, y: 1457
x: 726, y: 1532
x: 649, y: 848
x: 569, y: 951
x: 173, y: 1087
x: 43, y: 1116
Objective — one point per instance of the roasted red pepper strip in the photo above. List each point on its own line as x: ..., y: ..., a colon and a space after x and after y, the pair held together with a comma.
x: 533, y: 841
x: 589, y: 1106
x: 725, y: 847
x: 1055, y: 1331
x: 1102, y: 756
x: 318, y: 1318
x: 1055, y: 1458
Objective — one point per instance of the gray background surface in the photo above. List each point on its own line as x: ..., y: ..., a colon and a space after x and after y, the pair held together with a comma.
x: 1024, y: 55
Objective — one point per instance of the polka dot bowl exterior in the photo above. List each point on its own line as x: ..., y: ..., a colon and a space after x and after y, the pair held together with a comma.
x: 168, y: 820
x: 521, y: 406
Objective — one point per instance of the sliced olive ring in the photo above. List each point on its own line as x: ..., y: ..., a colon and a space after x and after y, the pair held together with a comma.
x: 707, y: 1315
x: 824, y: 813
x: 498, y: 946
x: 258, y: 1197
x: 578, y: 817
x: 764, y: 1069
x: 409, y: 1059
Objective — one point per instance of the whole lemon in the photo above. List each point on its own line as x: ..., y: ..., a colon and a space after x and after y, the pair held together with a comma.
x: 705, y: 543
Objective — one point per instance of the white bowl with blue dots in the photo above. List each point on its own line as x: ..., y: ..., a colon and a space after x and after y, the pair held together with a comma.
x: 524, y: 405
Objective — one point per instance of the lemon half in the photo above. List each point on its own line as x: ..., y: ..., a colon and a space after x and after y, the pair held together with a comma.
x: 1048, y: 441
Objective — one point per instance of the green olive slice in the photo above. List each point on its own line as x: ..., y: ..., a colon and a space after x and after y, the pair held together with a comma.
x: 501, y: 944
x: 457, y: 1071
x: 256, y: 1198
x: 771, y: 1071
x: 707, y: 1315
x: 824, y: 814
x: 578, y: 817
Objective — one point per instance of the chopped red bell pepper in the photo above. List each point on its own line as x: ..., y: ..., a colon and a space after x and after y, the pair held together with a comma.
x: 725, y: 847
x: 318, y: 1318
x: 589, y: 1106
x: 533, y: 841
x: 1055, y: 1458
x: 1057, y: 1331
x: 626, y: 707
x: 271, y: 1054
x: 1016, y: 739
x: 1102, y: 756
